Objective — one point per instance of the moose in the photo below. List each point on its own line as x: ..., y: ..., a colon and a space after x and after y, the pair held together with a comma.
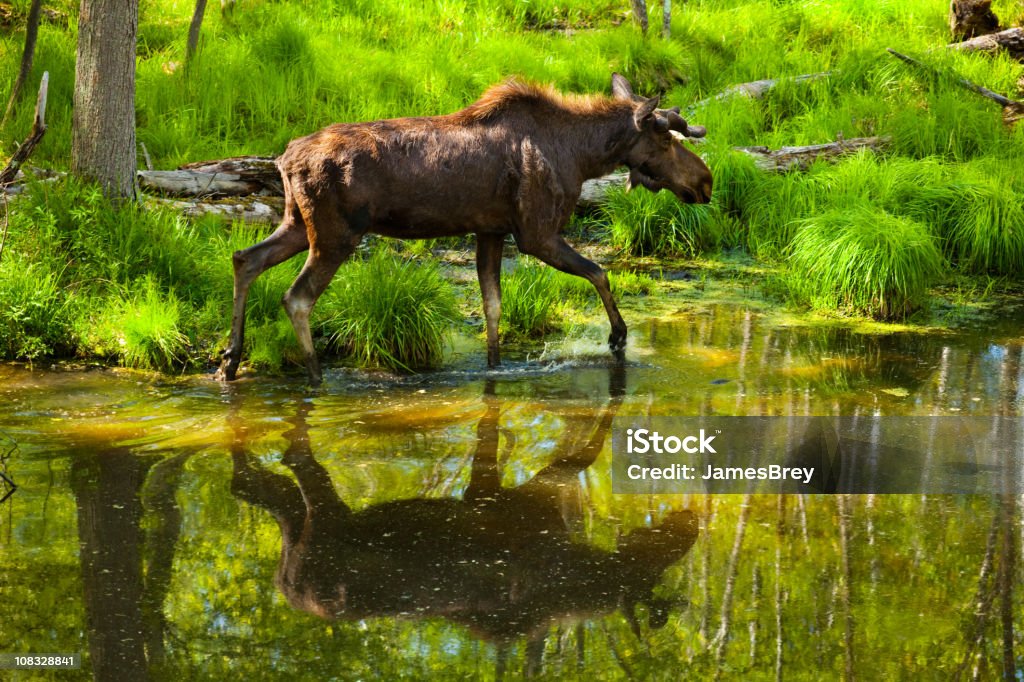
x: 513, y: 162
x: 500, y: 561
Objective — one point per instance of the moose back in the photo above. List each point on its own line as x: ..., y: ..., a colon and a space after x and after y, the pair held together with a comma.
x: 513, y: 162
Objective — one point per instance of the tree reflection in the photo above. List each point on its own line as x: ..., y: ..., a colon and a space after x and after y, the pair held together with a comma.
x: 500, y: 561
x: 126, y: 564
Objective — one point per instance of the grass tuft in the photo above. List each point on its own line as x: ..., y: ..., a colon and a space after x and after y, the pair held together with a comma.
x: 529, y: 296
x: 646, y: 223
x: 864, y: 260
x: 142, y: 329
x: 388, y: 312
x: 35, y: 316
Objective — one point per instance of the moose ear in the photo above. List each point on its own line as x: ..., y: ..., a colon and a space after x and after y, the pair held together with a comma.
x: 621, y: 87
x: 645, y: 111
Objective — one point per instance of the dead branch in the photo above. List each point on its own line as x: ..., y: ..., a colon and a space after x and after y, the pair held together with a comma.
x: 8, y: 174
x: 1011, y: 40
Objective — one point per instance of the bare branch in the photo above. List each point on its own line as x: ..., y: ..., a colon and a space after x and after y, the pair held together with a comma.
x: 8, y: 174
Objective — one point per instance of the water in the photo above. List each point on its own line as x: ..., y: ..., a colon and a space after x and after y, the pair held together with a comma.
x: 461, y: 524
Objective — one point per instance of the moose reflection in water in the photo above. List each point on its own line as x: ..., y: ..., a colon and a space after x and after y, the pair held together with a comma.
x: 500, y: 561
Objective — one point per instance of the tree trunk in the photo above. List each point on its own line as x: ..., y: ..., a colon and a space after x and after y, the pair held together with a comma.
x: 103, y: 128
x: 193, y: 29
x: 27, y: 55
x: 969, y: 18
x: 666, y: 19
x: 640, y: 14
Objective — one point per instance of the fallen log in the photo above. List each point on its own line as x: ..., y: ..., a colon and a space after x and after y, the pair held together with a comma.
x: 236, y: 176
x: 1013, y: 110
x: 261, y: 170
x: 196, y: 183
x: 251, y: 209
x: 267, y: 205
x: 1011, y: 40
x: 786, y: 159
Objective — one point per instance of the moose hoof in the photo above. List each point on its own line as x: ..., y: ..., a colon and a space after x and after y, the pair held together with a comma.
x: 314, y: 375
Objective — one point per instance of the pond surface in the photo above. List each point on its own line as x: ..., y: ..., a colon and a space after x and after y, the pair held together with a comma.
x: 461, y: 524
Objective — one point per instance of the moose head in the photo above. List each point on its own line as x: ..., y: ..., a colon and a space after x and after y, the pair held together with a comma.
x: 657, y: 160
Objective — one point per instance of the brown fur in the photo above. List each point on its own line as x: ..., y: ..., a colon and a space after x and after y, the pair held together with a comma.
x: 513, y: 162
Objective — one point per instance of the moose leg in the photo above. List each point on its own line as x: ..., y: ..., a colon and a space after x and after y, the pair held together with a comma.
x: 557, y: 253
x: 321, y: 500
x: 288, y: 240
x: 485, y: 476
x: 332, y: 241
x: 488, y: 272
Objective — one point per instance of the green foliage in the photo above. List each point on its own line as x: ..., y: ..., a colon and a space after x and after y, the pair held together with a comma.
x: 646, y: 223
x: 142, y: 329
x: 631, y: 283
x: 275, y: 75
x: 530, y: 294
x: 35, y: 316
x: 271, y: 343
x: 100, y: 243
x: 389, y: 312
x: 984, y: 227
x: 866, y: 260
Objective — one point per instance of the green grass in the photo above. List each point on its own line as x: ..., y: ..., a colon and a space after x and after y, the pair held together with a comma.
x: 537, y: 300
x: 530, y: 295
x: 142, y: 329
x: 389, y: 312
x: 36, y: 316
x: 273, y: 71
x: 864, y: 260
x: 644, y: 223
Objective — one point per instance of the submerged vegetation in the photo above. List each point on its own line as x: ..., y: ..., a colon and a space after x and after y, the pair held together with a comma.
x: 869, y: 235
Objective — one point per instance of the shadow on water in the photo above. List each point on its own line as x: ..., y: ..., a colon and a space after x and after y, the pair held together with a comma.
x: 500, y: 561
